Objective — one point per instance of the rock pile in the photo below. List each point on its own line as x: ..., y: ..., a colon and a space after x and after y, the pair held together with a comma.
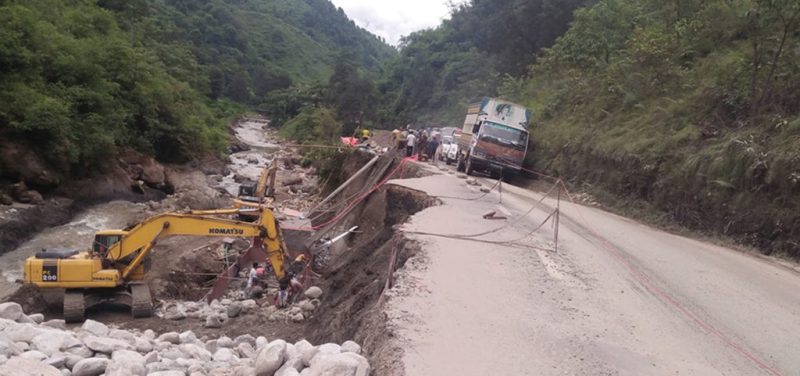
x: 216, y: 314
x: 30, y: 346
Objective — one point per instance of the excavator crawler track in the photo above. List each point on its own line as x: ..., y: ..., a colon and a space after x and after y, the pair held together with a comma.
x: 141, y: 301
x: 74, y: 306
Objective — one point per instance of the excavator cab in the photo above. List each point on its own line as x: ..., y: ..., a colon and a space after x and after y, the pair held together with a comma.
x: 247, y: 191
x: 104, y: 241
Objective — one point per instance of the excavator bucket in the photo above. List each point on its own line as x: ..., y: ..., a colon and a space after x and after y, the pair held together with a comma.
x: 255, y: 253
x: 294, y: 240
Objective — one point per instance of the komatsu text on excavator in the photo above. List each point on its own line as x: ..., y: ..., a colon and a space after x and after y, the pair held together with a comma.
x: 113, y: 269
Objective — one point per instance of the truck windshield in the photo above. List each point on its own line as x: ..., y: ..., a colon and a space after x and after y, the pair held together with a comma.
x: 504, y: 135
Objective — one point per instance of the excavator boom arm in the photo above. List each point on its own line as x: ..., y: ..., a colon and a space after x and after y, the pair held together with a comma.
x: 141, y: 239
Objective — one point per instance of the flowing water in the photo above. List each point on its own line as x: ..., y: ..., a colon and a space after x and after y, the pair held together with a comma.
x: 249, y: 163
x: 78, y: 233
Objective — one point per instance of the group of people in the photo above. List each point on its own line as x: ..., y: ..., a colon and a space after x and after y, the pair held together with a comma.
x: 420, y: 142
x: 289, y: 281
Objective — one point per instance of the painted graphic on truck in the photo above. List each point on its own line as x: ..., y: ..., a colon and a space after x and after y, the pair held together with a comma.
x: 505, y: 113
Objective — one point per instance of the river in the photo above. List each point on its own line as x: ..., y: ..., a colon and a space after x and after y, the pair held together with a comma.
x: 79, y: 232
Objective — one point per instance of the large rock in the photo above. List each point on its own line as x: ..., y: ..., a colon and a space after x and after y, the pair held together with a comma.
x: 126, y: 363
x: 57, y: 360
x: 243, y: 371
x: 31, y: 197
x: 306, y: 305
x: 167, y: 373
x: 56, y: 324
x: 294, y: 362
x: 246, y: 350
x: 261, y: 341
x: 142, y: 167
x: 21, y: 162
x: 173, y: 354
x: 330, y: 348
x: 271, y: 358
x: 151, y: 357
x: 143, y: 345
x: 23, y: 332
x: 8, y: 348
x: 123, y: 335
x: 234, y: 310
x: 19, y: 366
x: 24, y: 319
x: 352, y: 347
x: 196, y: 352
x: 249, y: 305
x: 287, y: 371
x: 244, y: 338
x: 35, y: 355
x: 95, y: 327
x: 72, y: 360
x: 225, y: 355
x: 224, y: 341
x: 188, y: 337
x: 313, y: 292
x: 171, y: 337
x: 213, y: 321
x: 82, y: 351
x: 54, y: 341
x: 339, y: 364
x: 37, y: 318
x: 106, y: 345
x: 10, y: 311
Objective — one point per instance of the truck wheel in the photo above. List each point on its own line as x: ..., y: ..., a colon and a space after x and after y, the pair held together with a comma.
x: 448, y: 161
x: 468, y: 166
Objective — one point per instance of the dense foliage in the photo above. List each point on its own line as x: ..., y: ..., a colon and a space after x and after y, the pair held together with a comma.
x: 693, y: 106
x: 81, y: 79
x: 482, y: 45
x: 689, y: 106
x: 350, y: 96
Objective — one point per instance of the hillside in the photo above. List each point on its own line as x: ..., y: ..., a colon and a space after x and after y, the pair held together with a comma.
x: 693, y: 111
x: 79, y: 81
x: 687, y: 111
x: 483, y: 44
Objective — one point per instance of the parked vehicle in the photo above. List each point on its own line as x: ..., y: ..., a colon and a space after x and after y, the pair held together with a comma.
x: 449, y: 151
x: 494, y: 138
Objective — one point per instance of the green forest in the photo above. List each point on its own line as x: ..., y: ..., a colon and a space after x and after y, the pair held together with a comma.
x: 685, y: 108
x: 82, y: 79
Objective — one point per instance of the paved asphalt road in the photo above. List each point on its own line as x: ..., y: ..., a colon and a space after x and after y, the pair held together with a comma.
x: 617, y: 298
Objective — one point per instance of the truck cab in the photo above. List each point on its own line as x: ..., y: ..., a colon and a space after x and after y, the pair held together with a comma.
x: 494, y: 138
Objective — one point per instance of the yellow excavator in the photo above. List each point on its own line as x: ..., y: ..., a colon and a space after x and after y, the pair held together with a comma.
x: 113, y: 270
x: 252, y: 194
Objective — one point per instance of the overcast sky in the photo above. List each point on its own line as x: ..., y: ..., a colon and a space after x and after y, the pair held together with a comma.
x: 391, y: 19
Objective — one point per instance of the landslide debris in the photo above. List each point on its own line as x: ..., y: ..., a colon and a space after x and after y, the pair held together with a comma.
x: 30, y: 346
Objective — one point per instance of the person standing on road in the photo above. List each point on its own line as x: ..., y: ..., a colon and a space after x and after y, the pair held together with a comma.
x: 422, y: 146
x: 410, y: 143
x: 402, y: 136
x: 433, y: 145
